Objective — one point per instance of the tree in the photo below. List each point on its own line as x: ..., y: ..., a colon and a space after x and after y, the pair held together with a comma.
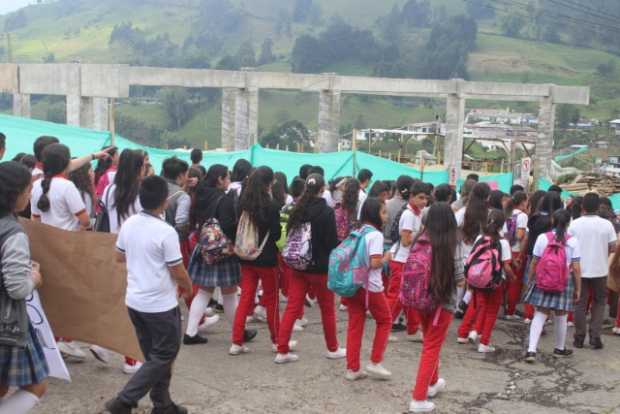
x: 306, y: 55
x: 512, y: 24
x: 566, y: 115
x: 479, y: 9
x: 302, y: 10
x: 266, y: 52
x: 606, y: 70
x: 417, y: 14
x: 283, y: 23
x: 288, y: 134
x: 177, y: 106
x: 228, y: 63
x: 246, y: 56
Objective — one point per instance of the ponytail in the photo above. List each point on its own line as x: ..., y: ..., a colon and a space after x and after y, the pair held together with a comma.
x: 517, y: 198
x: 561, y: 221
x: 56, y: 158
x: 495, y: 222
x: 314, y: 185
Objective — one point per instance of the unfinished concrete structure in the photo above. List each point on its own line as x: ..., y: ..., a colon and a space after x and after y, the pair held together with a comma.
x: 89, y: 89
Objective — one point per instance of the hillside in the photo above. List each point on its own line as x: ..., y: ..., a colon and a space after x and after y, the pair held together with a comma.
x: 69, y: 30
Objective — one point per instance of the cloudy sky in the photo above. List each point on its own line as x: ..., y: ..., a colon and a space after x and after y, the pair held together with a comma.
x: 11, y: 5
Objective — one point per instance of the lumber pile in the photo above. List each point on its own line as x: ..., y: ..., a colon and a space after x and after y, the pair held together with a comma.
x: 603, y: 185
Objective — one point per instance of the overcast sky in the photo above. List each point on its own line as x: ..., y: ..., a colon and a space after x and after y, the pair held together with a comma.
x: 11, y: 5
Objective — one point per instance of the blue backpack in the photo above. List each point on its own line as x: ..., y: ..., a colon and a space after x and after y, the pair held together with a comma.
x: 348, y: 264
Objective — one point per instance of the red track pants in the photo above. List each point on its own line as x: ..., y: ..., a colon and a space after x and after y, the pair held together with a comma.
x: 514, y: 287
x: 482, y: 317
x: 393, y: 293
x: 378, y: 307
x: 434, y: 337
x: 299, y: 284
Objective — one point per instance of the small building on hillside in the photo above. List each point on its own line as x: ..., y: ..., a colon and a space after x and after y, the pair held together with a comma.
x: 615, y: 124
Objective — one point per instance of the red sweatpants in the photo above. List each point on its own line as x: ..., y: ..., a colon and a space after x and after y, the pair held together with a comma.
x: 378, y: 307
x: 250, y: 275
x: 434, y: 337
x: 471, y: 321
x: 489, y: 303
x: 393, y: 293
x: 299, y: 283
x: 514, y: 287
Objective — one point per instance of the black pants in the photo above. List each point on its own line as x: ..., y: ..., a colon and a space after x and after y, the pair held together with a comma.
x: 159, y: 335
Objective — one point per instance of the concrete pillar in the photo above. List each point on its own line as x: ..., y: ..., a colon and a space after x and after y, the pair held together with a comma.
x: 544, y: 144
x: 87, y: 113
x: 101, y: 114
x: 21, y: 105
x: 246, y: 118
x: 74, y: 103
x: 453, y: 146
x: 329, y: 121
x: 229, y: 108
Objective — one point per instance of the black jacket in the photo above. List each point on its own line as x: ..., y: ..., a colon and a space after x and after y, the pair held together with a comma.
x: 269, y: 256
x: 324, y: 236
x: 222, y: 207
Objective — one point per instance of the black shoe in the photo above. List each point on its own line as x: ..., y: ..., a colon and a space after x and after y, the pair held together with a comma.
x: 116, y: 406
x: 249, y: 334
x: 530, y: 357
x: 596, y: 343
x: 171, y: 409
x: 219, y: 308
x: 398, y: 327
x: 578, y: 342
x: 562, y: 352
x: 194, y: 340
x: 459, y: 314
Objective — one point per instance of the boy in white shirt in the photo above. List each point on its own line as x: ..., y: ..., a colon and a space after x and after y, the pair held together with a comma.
x: 150, y: 248
x: 597, y: 239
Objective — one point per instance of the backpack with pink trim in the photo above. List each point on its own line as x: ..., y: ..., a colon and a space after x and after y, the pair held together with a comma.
x: 415, y: 285
x: 552, y: 270
x: 483, y: 267
x: 343, y: 224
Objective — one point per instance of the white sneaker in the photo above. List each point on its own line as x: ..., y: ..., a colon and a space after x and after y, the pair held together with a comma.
x: 286, y: 358
x: 208, y: 322
x: 616, y: 330
x: 486, y: 349
x: 570, y: 324
x: 298, y: 327
x: 310, y: 302
x: 338, y: 354
x: 393, y: 338
x: 210, y: 312
x: 238, y: 350
x: 439, y: 386
x: 101, y: 354
x: 514, y: 317
x: 342, y: 308
x: 131, y: 369
x: 421, y: 406
x: 527, y: 321
x: 292, y: 346
x: 260, y: 314
x: 416, y: 337
x: 460, y: 340
x: 302, y: 322
x: 472, y: 337
x: 355, y: 375
x: 71, y: 350
x: 378, y: 371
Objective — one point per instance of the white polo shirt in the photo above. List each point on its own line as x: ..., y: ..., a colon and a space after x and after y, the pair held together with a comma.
x: 150, y: 246
x: 65, y: 204
x: 408, y: 221
x: 374, y: 247
x: 594, y: 234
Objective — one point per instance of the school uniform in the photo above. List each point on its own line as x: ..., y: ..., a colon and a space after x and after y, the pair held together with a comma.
x: 109, y: 201
x: 66, y: 204
x: 514, y: 287
x: 369, y: 298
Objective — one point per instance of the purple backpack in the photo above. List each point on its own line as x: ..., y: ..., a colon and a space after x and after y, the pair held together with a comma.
x: 483, y: 268
x: 511, y: 230
x: 551, y: 270
x: 415, y: 285
x: 343, y: 224
x: 298, y: 250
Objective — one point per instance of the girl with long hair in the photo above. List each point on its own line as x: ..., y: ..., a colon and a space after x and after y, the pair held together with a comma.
x: 83, y: 180
x: 213, y: 201
x: 515, y: 231
x: 241, y: 171
x: 551, y: 302
x: 371, y: 298
x: 25, y: 366
x: 313, y: 209
x: 346, y: 211
x: 264, y: 213
x: 487, y: 301
x: 280, y: 190
x: 106, y: 170
x: 446, y: 275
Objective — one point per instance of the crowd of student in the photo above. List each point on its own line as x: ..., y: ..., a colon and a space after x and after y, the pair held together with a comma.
x: 237, y: 241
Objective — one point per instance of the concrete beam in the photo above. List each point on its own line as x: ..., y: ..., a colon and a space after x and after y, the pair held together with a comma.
x: 9, y: 78
x: 104, y: 81
x: 21, y: 105
x: 50, y: 79
x: 544, y: 145
x: 329, y: 120
x: 455, y: 124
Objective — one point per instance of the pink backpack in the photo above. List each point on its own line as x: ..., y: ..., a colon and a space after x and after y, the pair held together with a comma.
x: 416, y: 276
x: 551, y: 270
x: 343, y: 224
x: 483, y: 268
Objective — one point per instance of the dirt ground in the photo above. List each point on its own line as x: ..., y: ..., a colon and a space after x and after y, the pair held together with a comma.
x: 207, y: 380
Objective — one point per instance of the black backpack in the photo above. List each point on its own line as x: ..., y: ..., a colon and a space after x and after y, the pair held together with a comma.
x: 102, y: 221
x: 394, y: 228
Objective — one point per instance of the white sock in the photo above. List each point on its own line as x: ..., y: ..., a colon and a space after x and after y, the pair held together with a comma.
x: 536, y: 327
x: 560, y: 327
x: 230, y: 307
x: 467, y: 297
x: 18, y: 403
x: 460, y: 293
x: 196, y: 311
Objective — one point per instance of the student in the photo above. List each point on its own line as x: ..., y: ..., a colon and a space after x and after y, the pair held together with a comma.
x: 558, y: 303
x: 174, y: 171
x: 196, y: 157
x: 241, y: 171
x: 364, y: 177
x: 2, y: 145
x: 264, y: 214
x: 379, y: 190
x: 487, y: 301
x: 370, y: 298
x: 346, y: 212
x: 304, y: 171
x: 150, y: 248
x: 106, y: 170
x: 312, y: 209
x: 466, y: 189
x: 395, y: 205
x: 409, y: 226
x: 26, y: 159
x: 474, y: 177
x: 517, y: 188
x: 280, y: 191
x: 24, y: 367
x: 213, y: 200
x: 83, y: 178
x: 498, y: 200
x: 446, y: 275
x: 515, y: 231
x: 597, y: 239
x: 443, y: 193
x: 614, y: 273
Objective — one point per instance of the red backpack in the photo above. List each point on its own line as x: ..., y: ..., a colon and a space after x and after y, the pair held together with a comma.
x: 416, y: 276
x: 483, y: 267
x: 551, y: 270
